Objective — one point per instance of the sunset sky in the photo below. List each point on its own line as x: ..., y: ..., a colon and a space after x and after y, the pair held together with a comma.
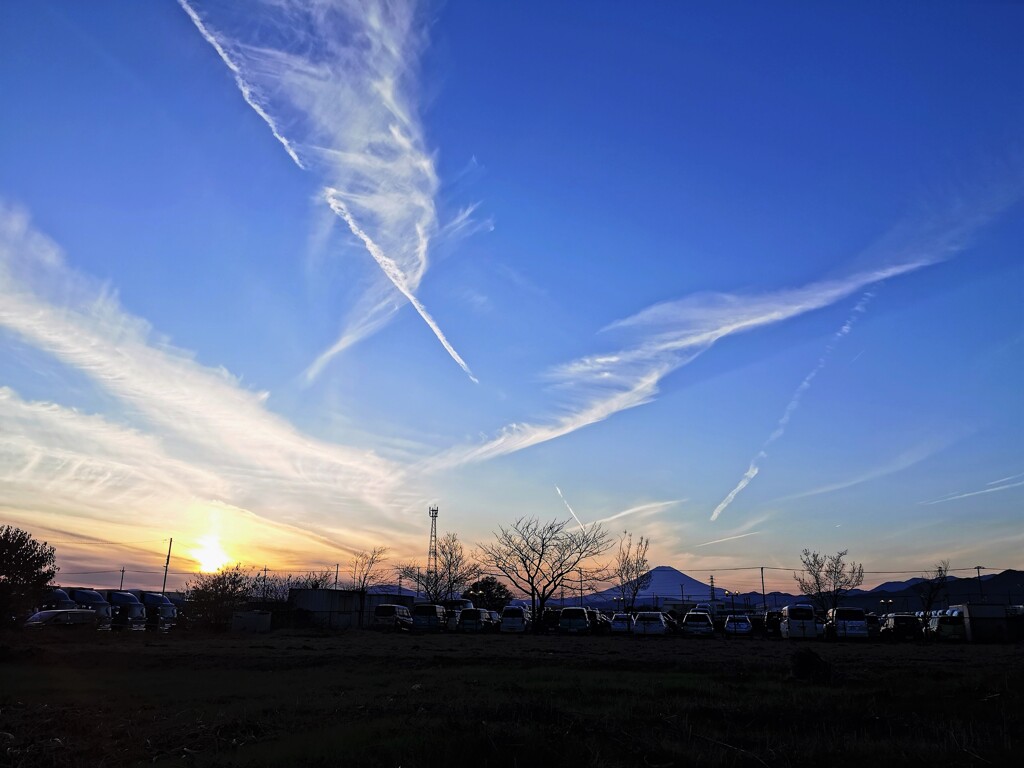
x: 277, y: 276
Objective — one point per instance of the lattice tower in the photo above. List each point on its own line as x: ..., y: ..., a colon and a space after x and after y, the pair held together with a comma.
x: 432, y: 549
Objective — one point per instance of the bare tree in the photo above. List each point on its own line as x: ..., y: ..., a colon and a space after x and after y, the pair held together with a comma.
x: 365, y: 572
x: 455, y: 570
x: 321, y: 579
x: 826, y: 578
x: 631, y: 572
x: 271, y: 587
x: 934, y: 584
x: 538, y: 558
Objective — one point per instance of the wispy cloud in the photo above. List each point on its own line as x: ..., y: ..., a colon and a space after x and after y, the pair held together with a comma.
x: 670, y: 335
x: 182, y: 430
x: 336, y: 83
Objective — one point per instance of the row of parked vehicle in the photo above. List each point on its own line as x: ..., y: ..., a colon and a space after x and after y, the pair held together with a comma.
x: 517, y: 619
x: 799, y: 621
x: 83, y: 608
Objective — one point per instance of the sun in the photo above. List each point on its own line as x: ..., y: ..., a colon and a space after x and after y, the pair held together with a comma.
x: 210, y: 554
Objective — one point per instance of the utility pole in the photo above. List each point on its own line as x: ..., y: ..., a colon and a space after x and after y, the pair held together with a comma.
x: 764, y: 600
x: 981, y: 584
x: 581, y: 587
x: 264, y: 583
x: 163, y: 589
x: 336, y: 566
x: 712, y: 588
x: 122, y: 578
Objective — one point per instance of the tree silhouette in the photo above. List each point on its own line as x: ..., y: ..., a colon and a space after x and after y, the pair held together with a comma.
x: 826, y: 578
x: 631, y: 572
x: 27, y: 566
x: 538, y: 558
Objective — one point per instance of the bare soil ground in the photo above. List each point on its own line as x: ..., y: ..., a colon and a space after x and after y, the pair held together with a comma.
x: 368, y: 699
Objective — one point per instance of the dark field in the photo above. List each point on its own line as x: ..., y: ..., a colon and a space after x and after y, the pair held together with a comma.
x: 366, y: 699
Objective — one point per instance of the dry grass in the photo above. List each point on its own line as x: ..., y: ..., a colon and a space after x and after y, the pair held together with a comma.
x: 366, y: 699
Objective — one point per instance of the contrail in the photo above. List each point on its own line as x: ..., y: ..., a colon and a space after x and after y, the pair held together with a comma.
x: 571, y: 512
x: 974, y: 493
x: 395, y: 275
x: 727, y: 538
x: 361, y: 176
x: 794, y: 403
x: 243, y: 86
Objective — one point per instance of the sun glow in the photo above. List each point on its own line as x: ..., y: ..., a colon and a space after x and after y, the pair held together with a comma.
x: 210, y: 554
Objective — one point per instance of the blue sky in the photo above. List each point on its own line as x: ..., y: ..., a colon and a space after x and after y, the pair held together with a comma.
x: 275, y: 280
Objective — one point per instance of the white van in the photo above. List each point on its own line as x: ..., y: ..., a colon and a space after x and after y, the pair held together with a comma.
x: 515, y: 619
x: 846, y: 624
x: 799, y: 622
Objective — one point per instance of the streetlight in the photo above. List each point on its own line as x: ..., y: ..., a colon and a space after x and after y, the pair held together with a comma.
x: 620, y: 604
x: 883, y: 604
x: 733, y: 596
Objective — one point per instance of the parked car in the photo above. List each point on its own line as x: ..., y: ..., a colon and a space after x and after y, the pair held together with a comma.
x: 846, y: 624
x: 698, y: 624
x: 474, y: 620
x: 773, y: 624
x: 738, y: 626
x: 574, y: 621
x: 946, y: 628
x: 428, y: 617
x: 874, y: 625
x: 901, y: 627
x: 515, y: 619
x: 66, y: 619
x: 454, y: 609
x: 599, y: 623
x: 495, y: 620
x: 622, y: 624
x: 671, y: 623
x: 650, y: 623
x: 392, y: 618
x: 549, y: 620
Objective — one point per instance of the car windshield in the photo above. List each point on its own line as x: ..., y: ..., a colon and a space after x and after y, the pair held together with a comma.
x: 512, y: 613
x: 697, y: 618
x: 800, y: 613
